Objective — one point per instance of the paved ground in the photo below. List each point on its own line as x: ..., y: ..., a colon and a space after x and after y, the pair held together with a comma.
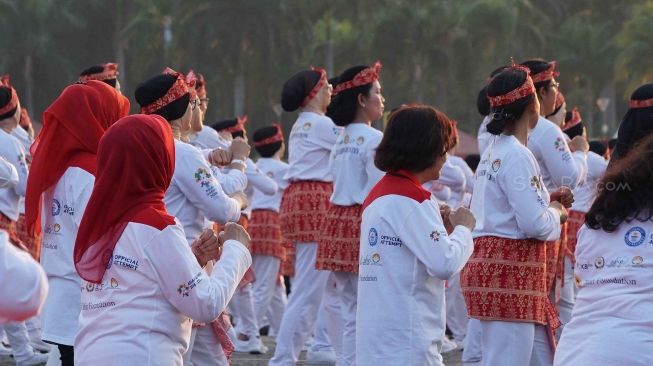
x: 240, y: 359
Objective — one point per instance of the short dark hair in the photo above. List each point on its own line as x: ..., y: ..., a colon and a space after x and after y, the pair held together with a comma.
x: 342, y: 109
x: 636, y: 124
x: 537, y: 65
x: 624, y: 193
x: 472, y: 161
x: 415, y: 137
x: 5, y: 98
x: 598, y: 147
x: 502, y: 116
x: 482, y: 103
x: 96, y: 69
x: 261, y: 134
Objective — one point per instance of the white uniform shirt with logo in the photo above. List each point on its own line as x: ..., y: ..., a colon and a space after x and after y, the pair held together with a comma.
x: 405, y: 258
x: 559, y: 166
x: 276, y: 170
x: 612, y: 320
x: 23, y: 286
x: 585, y: 193
x: 352, y: 164
x: 8, y: 174
x: 12, y: 150
x: 62, y: 209
x: 195, y: 193
x: 311, y: 139
x: 26, y: 141
x: 141, y: 312
x: 509, y: 198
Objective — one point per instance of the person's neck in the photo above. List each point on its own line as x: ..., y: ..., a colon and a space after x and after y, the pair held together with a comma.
x: 313, y: 108
x: 423, y: 176
x: 175, y: 125
x: 7, y: 126
x: 519, y: 130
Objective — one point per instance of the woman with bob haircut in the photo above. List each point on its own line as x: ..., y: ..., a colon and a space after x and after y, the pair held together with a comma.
x: 611, y: 320
x: 504, y: 283
x: 406, y: 253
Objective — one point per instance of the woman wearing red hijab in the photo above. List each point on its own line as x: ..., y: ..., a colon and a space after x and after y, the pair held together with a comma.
x: 59, y: 185
x: 142, y: 281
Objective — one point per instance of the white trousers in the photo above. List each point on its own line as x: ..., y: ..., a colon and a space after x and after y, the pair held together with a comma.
x: 568, y: 294
x: 19, y: 340
x: 266, y: 272
x: 473, y: 341
x: 299, y: 319
x: 327, y: 335
x: 277, y: 307
x: 515, y: 344
x: 347, y: 287
x: 456, y: 308
x: 191, y: 344
x: 243, y: 302
x: 207, y: 351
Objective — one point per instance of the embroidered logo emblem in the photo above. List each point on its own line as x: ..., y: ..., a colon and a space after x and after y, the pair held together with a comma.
x: 435, y: 235
x: 496, y: 165
x: 360, y: 140
x: 376, y: 258
x: 599, y: 262
x: 347, y: 139
x: 559, y: 144
x: 635, y: 236
x: 270, y: 174
x: 535, y: 183
x: 306, y: 126
x: 203, y: 177
x: 114, y: 282
x: 56, y: 207
x: 637, y: 260
x: 56, y: 228
x: 183, y: 290
x: 373, y: 237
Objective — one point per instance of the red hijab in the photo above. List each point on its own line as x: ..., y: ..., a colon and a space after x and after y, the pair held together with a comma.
x: 136, y: 160
x: 72, y: 127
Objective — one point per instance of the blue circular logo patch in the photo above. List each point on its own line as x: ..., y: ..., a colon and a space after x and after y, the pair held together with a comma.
x: 373, y: 237
x: 56, y: 207
x: 635, y: 236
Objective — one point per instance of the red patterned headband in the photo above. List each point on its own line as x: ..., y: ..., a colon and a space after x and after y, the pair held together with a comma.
x: 547, y: 74
x: 575, y: 119
x: 110, y: 72
x: 191, y: 81
x: 272, y: 139
x: 365, y: 76
x: 526, y: 89
x: 316, y: 89
x: 176, y: 91
x: 239, y: 126
x: 644, y: 103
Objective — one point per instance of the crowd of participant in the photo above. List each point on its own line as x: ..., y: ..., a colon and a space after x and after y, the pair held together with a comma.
x: 155, y: 239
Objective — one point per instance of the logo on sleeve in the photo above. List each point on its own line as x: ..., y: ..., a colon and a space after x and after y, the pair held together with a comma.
x: 360, y: 140
x: 373, y: 237
x: 306, y: 126
x: 203, y: 177
x: 185, y: 288
x: 535, y: 183
x: 635, y: 236
x: 559, y: 144
x: 496, y: 165
x: 435, y: 235
x: 56, y: 207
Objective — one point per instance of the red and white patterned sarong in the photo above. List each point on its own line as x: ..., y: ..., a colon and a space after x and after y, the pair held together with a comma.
x: 265, y: 231
x: 288, y: 263
x: 575, y: 220
x: 31, y: 242
x: 303, y: 207
x: 505, y: 279
x: 339, y: 245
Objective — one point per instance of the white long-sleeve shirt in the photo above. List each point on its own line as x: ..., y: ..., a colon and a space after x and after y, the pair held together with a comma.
x: 509, y: 198
x: 208, y: 138
x: 12, y: 150
x: 453, y: 177
x: 195, y: 194
x: 585, y: 193
x: 8, y: 174
x: 559, y: 166
x: 405, y: 257
x: 352, y: 164
x: 62, y: 208
x: 612, y: 320
x: 441, y: 192
x: 141, y: 312
x: 484, y: 138
x: 276, y: 170
x: 23, y: 286
x: 257, y: 181
x: 311, y: 139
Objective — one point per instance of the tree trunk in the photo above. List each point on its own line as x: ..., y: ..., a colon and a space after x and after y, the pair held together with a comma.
x: 28, y: 100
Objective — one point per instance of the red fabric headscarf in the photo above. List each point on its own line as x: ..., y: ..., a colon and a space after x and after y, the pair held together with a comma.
x: 72, y: 128
x: 136, y: 160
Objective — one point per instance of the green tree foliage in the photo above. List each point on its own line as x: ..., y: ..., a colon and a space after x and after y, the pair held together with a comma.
x: 434, y: 51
